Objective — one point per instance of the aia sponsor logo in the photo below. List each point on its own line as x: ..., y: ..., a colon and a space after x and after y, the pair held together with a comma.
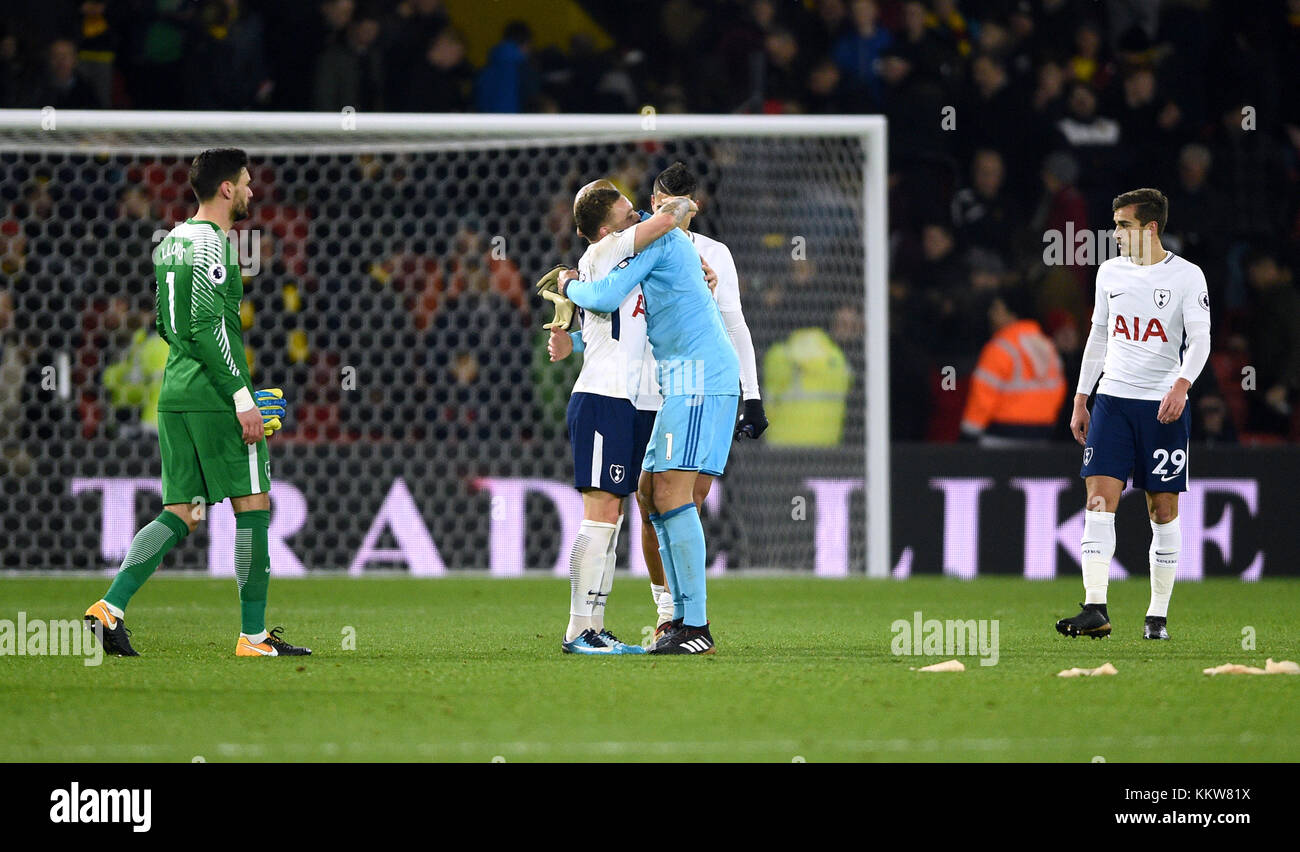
x: 1137, y: 331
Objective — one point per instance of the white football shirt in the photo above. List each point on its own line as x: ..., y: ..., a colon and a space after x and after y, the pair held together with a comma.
x: 617, y: 359
x: 727, y: 295
x: 1148, y: 312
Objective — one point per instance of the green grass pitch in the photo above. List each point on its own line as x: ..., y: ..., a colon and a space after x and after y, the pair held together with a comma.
x: 470, y: 669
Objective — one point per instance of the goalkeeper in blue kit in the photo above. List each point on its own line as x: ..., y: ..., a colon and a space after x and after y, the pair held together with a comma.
x: 699, y: 378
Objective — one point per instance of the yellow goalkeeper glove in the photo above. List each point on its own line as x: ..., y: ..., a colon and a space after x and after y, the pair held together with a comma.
x: 550, y: 282
x: 563, y: 311
x: 271, y: 403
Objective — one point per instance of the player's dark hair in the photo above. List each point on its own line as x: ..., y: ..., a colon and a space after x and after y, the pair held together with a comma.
x: 1152, y: 206
x: 676, y: 180
x: 592, y: 209
x: 214, y: 167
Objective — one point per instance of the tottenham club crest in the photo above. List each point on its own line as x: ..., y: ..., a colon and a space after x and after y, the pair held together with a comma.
x: 1162, y: 298
x: 616, y: 473
x: 1087, y: 455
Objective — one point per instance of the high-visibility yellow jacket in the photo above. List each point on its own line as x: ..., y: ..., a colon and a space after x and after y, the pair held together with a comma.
x: 136, y: 380
x: 806, y: 382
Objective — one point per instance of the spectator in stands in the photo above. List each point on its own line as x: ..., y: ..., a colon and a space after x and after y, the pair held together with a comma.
x: 915, y: 71
x: 63, y: 85
x: 507, y: 83
x: 858, y: 51
x: 1194, y: 229
x: 830, y: 22
x: 992, y: 116
x: 98, y: 48
x: 1094, y: 140
x: 1018, y: 387
x: 13, y: 73
x: 946, y: 278
x: 982, y: 215
x: 830, y: 93
x: 739, y: 55
x: 1061, y: 210
x: 226, y: 58
x: 410, y: 30
x: 1087, y: 65
x: 950, y: 25
x: 1274, y: 343
x: 351, y: 72
x: 1249, y: 168
x: 1149, y: 124
x: 444, y: 81
x: 783, y: 72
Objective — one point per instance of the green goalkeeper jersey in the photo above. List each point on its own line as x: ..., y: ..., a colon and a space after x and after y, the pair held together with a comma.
x: 198, y: 315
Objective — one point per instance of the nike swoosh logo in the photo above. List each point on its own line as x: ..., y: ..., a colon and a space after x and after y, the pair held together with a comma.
x: 260, y: 651
x: 111, y: 622
x: 1113, y: 295
x: 1167, y: 478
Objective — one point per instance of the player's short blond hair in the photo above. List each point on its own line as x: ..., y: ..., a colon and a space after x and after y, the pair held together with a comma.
x: 591, y: 207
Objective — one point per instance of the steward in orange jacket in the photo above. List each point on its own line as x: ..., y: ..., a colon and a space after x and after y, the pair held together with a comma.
x: 1019, y: 386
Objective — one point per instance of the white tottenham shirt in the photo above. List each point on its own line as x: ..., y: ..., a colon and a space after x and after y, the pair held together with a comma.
x: 617, y: 358
x: 727, y: 295
x: 1148, y: 312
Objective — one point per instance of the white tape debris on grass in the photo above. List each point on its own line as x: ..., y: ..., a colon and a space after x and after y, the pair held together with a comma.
x: 1270, y: 667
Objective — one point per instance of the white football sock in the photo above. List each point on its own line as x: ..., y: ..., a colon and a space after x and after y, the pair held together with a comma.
x: 1098, y: 547
x: 1166, y: 542
x: 586, y: 563
x: 606, y: 579
x: 117, y: 613
x: 663, y: 602
x: 256, y: 638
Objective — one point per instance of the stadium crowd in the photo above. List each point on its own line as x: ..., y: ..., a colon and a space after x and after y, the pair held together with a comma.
x: 1010, y: 120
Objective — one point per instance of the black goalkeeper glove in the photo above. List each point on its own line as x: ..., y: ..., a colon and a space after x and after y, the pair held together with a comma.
x: 753, y: 421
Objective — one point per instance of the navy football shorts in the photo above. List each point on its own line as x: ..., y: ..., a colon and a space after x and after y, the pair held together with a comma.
x: 609, y: 437
x: 1125, y: 437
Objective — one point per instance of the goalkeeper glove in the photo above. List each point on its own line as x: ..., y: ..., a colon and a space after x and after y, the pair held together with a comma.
x: 550, y: 282
x: 563, y: 311
x: 753, y: 421
x: 271, y: 403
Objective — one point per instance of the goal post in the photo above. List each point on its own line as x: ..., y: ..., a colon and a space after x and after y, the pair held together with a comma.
x: 377, y: 184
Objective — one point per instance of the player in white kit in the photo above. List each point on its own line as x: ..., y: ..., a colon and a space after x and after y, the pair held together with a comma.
x: 1150, y: 339
x: 677, y: 181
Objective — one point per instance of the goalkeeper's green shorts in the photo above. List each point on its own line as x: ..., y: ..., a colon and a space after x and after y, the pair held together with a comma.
x: 204, y: 456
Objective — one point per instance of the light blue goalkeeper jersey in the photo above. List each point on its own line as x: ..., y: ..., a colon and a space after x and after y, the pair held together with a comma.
x: 691, y: 346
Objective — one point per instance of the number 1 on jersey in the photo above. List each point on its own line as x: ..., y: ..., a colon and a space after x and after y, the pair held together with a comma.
x: 171, y: 299
x: 668, y: 453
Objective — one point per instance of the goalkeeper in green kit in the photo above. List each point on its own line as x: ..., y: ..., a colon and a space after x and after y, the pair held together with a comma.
x: 212, y: 425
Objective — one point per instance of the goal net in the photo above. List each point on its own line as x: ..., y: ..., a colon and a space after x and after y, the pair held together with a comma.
x: 388, y: 267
